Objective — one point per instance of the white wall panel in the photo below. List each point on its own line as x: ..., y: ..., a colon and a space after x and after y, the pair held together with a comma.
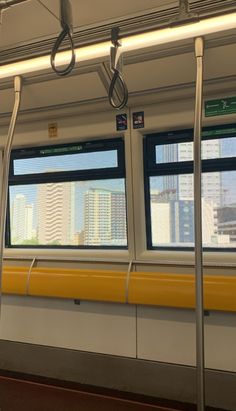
x: 94, y: 327
x: 168, y: 335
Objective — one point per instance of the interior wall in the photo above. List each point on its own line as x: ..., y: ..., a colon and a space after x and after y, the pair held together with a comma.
x: 159, y: 334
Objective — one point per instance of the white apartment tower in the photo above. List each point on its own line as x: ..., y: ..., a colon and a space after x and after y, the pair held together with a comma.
x: 21, y: 220
x: 18, y: 219
x: 211, y: 182
x: 105, y: 217
x: 55, y: 213
x: 183, y: 184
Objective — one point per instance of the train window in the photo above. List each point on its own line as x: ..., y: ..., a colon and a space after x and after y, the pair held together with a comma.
x: 70, y: 196
x: 168, y: 169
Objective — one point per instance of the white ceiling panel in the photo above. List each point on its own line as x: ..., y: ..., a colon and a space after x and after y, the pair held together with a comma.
x: 163, y: 72
x: 77, y: 88
x: 219, y: 62
x: 30, y: 21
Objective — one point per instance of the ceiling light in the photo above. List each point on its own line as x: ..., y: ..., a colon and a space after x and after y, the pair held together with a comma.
x: 136, y: 42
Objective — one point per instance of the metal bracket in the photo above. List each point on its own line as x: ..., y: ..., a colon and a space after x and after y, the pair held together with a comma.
x: 5, y: 4
x: 184, y: 16
x: 116, y: 58
x: 66, y: 15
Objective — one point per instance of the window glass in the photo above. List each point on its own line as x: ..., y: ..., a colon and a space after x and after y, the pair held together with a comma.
x: 211, y: 149
x: 81, y: 213
x: 172, y: 210
x: 169, y: 188
x: 82, y: 206
x: 68, y: 162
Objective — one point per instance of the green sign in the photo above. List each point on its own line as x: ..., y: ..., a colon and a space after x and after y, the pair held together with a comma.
x: 220, y: 107
x: 219, y: 132
x: 60, y: 150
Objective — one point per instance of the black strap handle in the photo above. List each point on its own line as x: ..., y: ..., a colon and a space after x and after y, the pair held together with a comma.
x: 117, y: 75
x: 65, y: 32
x: 117, y: 78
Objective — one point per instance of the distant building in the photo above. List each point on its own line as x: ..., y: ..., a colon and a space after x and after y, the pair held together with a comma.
x: 183, y: 183
x: 104, y: 217
x: 173, y: 220
x: 118, y: 218
x: 21, y: 220
x: 182, y: 218
x: 79, y: 238
x: 29, y: 233
x: 55, y: 213
x: 226, y: 217
x: 161, y: 223
x: 178, y: 193
x: 18, y: 219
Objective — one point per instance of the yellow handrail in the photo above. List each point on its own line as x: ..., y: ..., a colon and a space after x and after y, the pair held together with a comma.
x: 148, y: 288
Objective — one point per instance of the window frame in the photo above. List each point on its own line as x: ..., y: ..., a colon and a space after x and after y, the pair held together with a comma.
x: 152, y: 169
x: 107, y: 173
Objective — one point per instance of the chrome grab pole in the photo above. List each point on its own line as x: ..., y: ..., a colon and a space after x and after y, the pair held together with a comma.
x: 200, y: 351
x: 5, y: 172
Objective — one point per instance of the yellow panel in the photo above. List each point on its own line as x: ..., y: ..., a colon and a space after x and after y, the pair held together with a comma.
x: 160, y: 289
x: 174, y: 290
x: 81, y: 284
x: 14, y: 280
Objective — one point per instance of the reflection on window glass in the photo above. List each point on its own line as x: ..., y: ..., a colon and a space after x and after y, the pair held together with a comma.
x: 82, y: 213
x: 217, y: 148
x: 172, y: 210
x: 67, y: 162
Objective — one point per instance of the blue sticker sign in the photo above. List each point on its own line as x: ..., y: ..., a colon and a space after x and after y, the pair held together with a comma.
x: 121, y: 122
x: 138, y: 120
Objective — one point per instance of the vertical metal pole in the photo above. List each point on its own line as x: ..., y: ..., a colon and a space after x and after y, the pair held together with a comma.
x: 5, y: 172
x: 200, y: 352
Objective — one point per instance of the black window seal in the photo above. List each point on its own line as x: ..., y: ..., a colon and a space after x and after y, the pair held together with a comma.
x: 88, y: 147
x: 107, y: 173
x: 151, y: 169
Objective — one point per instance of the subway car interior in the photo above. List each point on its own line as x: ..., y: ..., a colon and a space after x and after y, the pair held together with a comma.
x: 118, y: 270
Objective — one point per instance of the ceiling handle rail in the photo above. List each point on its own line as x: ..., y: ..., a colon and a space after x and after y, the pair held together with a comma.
x: 199, y: 280
x: 116, y: 63
x: 67, y: 31
x: 5, y: 172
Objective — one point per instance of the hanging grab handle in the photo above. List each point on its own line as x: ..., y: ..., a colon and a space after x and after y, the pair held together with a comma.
x: 5, y: 172
x: 117, y: 79
x: 67, y: 31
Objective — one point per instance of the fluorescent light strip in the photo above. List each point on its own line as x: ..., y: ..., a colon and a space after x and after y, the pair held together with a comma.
x: 102, y: 50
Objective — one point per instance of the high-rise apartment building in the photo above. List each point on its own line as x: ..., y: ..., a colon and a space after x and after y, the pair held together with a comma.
x: 104, y: 217
x: 178, y: 193
x: 29, y: 231
x: 211, y: 182
x: 173, y: 220
x: 21, y: 220
x: 183, y: 184
x: 118, y: 218
x: 18, y: 219
x: 55, y: 213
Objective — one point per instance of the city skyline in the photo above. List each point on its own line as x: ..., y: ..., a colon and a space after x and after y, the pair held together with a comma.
x: 171, y: 201
x: 55, y: 214
x: 172, y: 198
